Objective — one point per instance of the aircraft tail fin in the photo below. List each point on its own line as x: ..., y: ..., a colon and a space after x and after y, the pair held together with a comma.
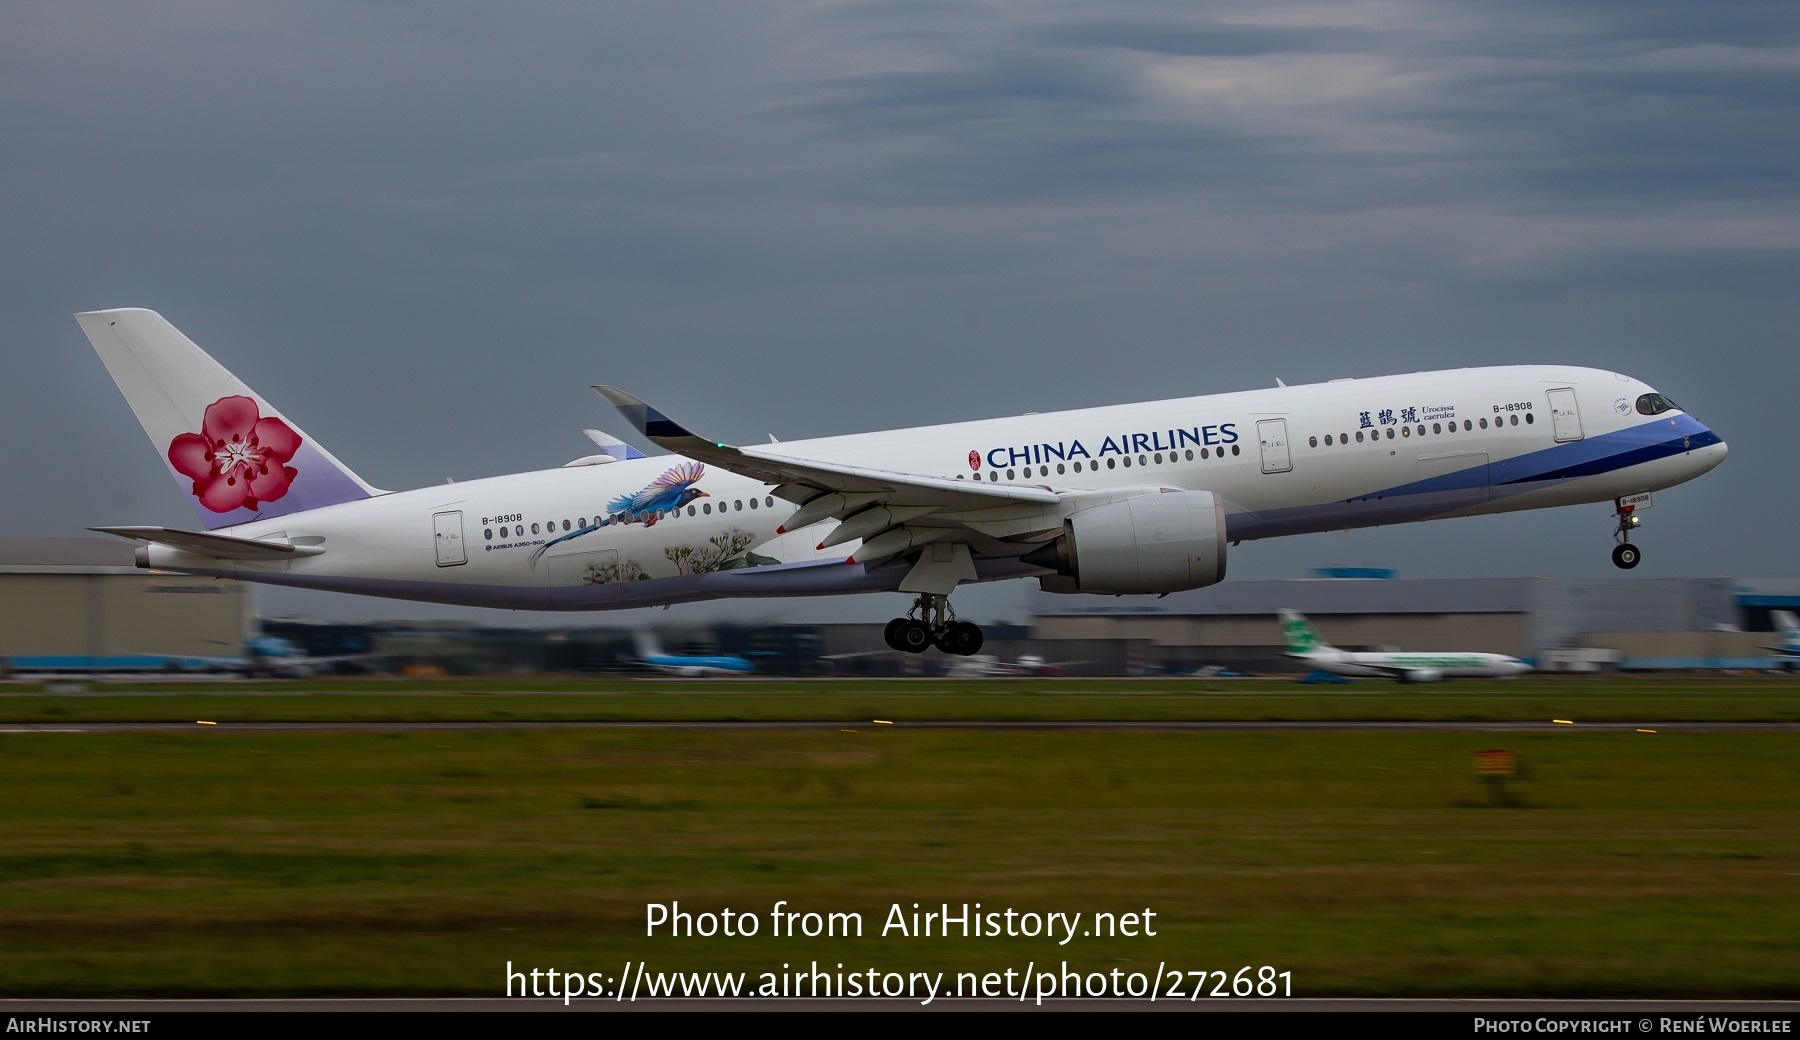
x: 613, y: 446
x: 236, y: 456
x: 1302, y: 638
x: 1790, y: 627
x: 647, y: 644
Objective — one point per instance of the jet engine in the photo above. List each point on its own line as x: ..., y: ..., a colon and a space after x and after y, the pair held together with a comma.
x: 1146, y: 544
x: 1422, y: 675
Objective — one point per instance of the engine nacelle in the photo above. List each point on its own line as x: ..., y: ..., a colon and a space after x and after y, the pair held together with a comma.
x: 1147, y: 544
x: 1421, y: 675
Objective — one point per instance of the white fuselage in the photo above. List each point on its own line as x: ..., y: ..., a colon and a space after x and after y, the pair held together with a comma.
x: 1400, y: 664
x: 1401, y: 448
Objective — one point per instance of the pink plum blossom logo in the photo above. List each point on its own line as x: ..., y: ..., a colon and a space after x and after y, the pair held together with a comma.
x: 238, y: 459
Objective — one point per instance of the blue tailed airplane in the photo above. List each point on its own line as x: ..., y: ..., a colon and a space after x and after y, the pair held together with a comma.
x: 651, y: 654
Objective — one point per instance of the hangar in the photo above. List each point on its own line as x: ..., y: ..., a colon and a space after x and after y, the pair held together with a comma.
x: 80, y: 604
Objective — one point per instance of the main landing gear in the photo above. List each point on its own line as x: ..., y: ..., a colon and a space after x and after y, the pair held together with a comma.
x: 930, y: 623
x: 1625, y: 555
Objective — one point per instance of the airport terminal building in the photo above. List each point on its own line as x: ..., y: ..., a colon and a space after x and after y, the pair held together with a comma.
x: 1554, y: 623
x: 79, y: 604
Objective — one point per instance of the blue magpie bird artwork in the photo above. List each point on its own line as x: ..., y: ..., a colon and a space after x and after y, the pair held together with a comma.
x: 657, y: 499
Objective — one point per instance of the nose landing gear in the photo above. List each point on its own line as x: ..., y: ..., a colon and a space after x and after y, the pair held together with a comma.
x: 930, y: 623
x: 1625, y: 555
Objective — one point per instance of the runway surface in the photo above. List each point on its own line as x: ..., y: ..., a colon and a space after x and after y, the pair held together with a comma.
x: 871, y: 726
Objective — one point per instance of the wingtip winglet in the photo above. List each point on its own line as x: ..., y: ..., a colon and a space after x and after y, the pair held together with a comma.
x: 647, y: 420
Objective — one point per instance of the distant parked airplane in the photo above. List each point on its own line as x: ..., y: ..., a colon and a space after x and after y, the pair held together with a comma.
x: 1788, y: 653
x: 651, y: 653
x: 983, y: 665
x: 1305, y: 644
x: 262, y: 655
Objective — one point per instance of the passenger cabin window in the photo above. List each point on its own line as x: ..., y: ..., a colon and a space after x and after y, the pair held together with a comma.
x: 1654, y: 404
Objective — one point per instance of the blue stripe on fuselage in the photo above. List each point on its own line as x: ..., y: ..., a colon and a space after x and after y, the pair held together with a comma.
x: 1584, y: 458
x: 1606, y: 453
x: 1473, y: 485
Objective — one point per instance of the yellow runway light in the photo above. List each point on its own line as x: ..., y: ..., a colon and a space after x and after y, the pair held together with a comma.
x: 203, y: 722
x: 1646, y: 731
x: 849, y: 731
x: 1563, y: 722
x: 883, y: 722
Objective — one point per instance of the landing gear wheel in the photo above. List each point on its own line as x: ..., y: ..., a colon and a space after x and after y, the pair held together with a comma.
x: 1626, y: 556
x: 962, y: 639
x: 913, y: 637
x: 892, y: 633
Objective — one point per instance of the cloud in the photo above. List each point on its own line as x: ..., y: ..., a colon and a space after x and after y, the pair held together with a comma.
x: 786, y: 215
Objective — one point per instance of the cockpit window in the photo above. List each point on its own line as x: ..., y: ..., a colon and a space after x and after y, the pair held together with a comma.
x: 1655, y: 404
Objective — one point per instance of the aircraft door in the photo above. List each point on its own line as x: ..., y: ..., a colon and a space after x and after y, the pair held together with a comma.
x: 1271, y: 434
x: 1565, y: 418
x: 448, y: 533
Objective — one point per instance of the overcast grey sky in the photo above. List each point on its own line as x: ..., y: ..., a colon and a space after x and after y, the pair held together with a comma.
x: 422, y: 230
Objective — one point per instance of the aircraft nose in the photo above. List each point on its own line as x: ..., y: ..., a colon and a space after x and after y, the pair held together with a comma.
x: 1711, y: 454
x: 1702, y: 446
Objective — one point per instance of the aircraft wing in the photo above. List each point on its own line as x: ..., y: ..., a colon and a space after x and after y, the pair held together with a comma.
x: 892, y: 487
x: 220, y: 663
x: 1392, y: 671
x: 890, y: 512
x: 1785, y: 651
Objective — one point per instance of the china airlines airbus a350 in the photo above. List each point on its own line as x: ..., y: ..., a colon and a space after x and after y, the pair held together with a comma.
x: 1135, y: 499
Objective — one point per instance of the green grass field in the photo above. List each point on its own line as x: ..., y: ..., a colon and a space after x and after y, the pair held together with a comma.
x: 239, y: 863
x: 1760, y: 698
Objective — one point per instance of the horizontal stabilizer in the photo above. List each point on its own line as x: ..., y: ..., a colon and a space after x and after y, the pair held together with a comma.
x: 222, y: 546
